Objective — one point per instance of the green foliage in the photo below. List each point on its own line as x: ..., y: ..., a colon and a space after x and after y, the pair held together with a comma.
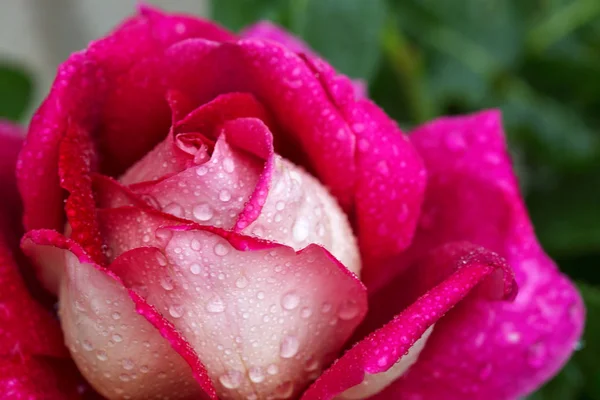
x: 15, y: 91
x: 345, y: 32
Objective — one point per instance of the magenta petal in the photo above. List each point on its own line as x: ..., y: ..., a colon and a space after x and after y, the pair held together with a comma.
x: 270, y: 31
x: 25, y: 377
x: 113, y: 88
x: 468, y: 269
x: 286, y: 86
x: 507, y: 350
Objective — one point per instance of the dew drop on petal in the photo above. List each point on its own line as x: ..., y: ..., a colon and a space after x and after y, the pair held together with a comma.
x: 195, y: 268
x: 202, y: 212
x: 231, y: 380
x: 176, y: 311
x: 348, y: 310
x: 301, y: 229
x: 215, y: 305
x: 289, y: 347
x: 221, y: 249
x: 290, y: 300
x: 256, y: 374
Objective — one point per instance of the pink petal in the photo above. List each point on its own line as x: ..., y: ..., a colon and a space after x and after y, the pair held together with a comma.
x: 506, y: 350
x: 25, y: 378
x: 446, y: 277
x: 114, y: 89
x: 390, y: 180
x: 286, y: 86
x: 285, y: 313
x: 270, y: 31
x: 11, y: 139
x: 213, y: 193
x: 92, y: 300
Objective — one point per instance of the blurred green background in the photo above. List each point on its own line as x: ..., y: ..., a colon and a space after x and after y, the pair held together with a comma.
x: 536, y: 60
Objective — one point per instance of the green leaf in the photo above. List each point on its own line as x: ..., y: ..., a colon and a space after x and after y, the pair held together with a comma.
x: 566, y: 214
x: 15, y: 91
x: 345, y: 32
x: 580, y: 379
x: 236, y: 14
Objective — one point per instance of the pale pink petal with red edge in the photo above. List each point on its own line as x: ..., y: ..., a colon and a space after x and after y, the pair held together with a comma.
x: 270, y: 31
x: 257, y: 301
x: 506, y: 350
x: 436, y: 285
x: 390, y: 178
x: 115, y: 336
x: 114, y: 88
x: 287, y: 87
x: 213, y: 193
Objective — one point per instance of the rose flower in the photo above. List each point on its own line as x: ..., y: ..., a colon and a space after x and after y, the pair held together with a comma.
x: 227, y: 217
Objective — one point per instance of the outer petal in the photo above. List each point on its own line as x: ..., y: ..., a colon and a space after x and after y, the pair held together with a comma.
x: 270, y: 31
x: 506, y: 350
x: 390, y: 179
x: 446, y: 277
x: 114, y: 336
x: 11, y: 139
x: 263, y: 318
x: 33, y: 359
x: 114, y: 90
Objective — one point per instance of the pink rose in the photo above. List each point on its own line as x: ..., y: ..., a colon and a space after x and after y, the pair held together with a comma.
x: 226, y: 217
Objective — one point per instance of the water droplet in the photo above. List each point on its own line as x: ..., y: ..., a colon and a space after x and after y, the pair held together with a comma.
x: 311, y: 364
x: 290, y: 301
x: 289, y: 347
x: 258, y: 231
x: 167, y: 283
x: 455, y: 141
x: 348, y: 310
x: 231, y: 380
x: 306, y: 313
x: 195, y: 244
x: 201, y: 170
x: 101, y: 355
x: 215, y: 305
x: 163, y: 235
x: 301, y: 229
x: 280, y: 205
x: 127, y: 364
x: 326, y: 308
x: 221, y: 249
x: 144, y: 369
x: 260, y: 295
x: 87, y: 345
x: 256, y: 374
x: 228, y: 165
x: 224, y: 195
x: 124, y: 377
x: 117, y: 338
x: 202, y: 212
x: 537, y: 354
x: 241, y: 282
x: 272, y: 369
x: 116, y: 316
x: 176, y: 311
x: 161, y: 259
x: 174, y: 209
x: 285, y: 390
x: 195, y: 268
